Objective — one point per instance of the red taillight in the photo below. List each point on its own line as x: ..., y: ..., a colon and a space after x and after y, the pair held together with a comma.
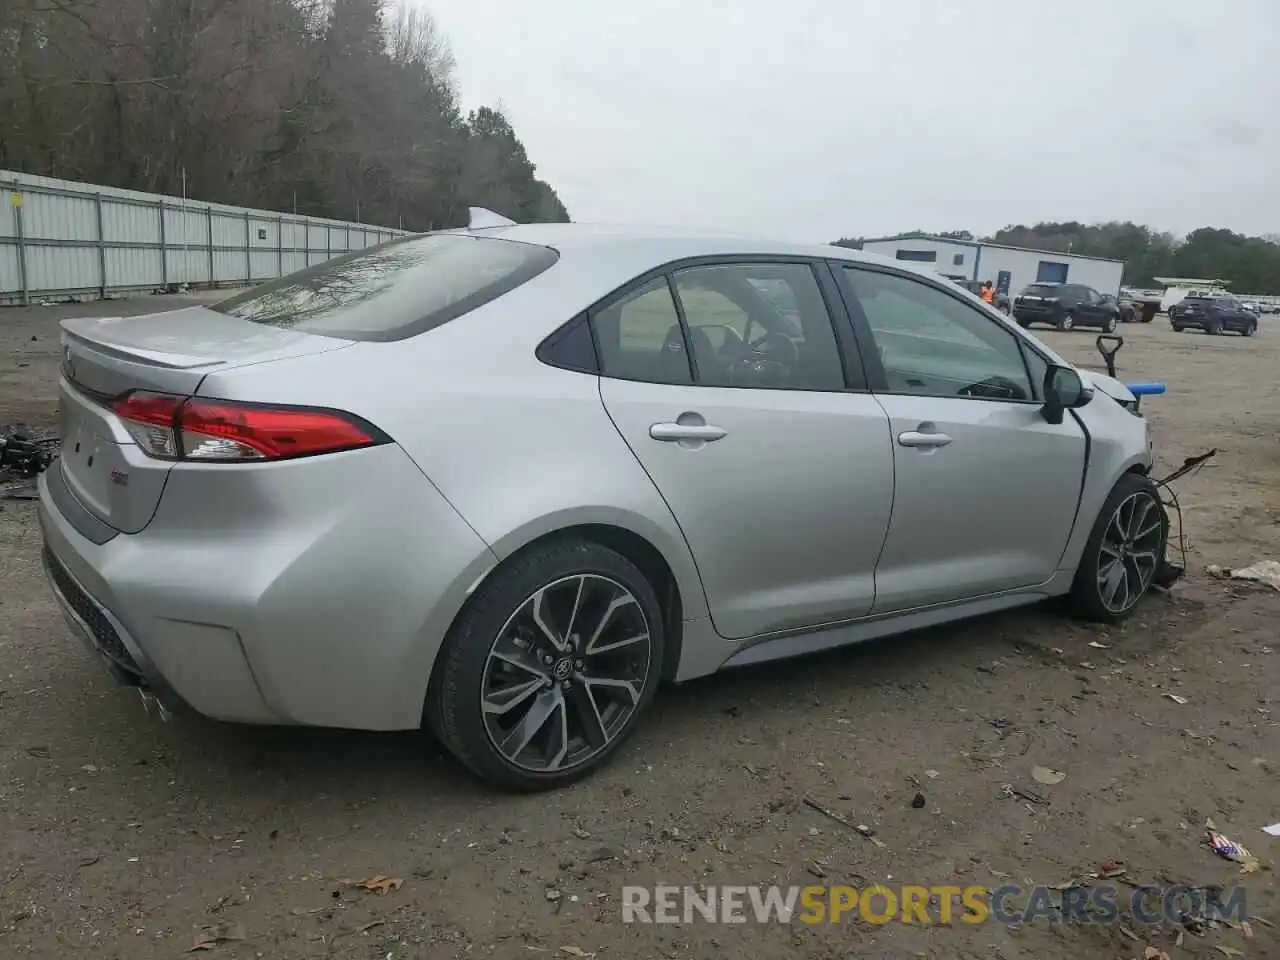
x: 181, y: 428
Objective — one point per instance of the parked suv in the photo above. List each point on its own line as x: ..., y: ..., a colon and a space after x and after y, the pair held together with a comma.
x: 1213, y: 315
x: 1066, y: 305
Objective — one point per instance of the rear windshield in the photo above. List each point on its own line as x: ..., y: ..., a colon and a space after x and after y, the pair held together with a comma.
x: 1042, y: 290
x: 394, y: 290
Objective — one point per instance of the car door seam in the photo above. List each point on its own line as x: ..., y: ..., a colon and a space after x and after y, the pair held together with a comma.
x: 702, y: 585
x: 1084, y: 479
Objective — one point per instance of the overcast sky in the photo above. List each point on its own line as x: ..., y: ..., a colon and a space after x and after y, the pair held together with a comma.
x: 814, y: 119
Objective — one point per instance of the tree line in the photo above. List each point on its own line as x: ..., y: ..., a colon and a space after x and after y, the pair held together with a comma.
x: 1249, y: 264
x: 336, y: 108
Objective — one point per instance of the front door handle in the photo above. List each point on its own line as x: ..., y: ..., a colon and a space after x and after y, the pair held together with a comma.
x: 672, y: 432
x: 914, y: 438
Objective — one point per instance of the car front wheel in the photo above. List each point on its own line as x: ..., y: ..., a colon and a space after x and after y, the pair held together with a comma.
x: 1124, y: 551
x: 1250, y: 330
x: 549, y: 667
x: 1067, y: 322
x: 1110, y: 325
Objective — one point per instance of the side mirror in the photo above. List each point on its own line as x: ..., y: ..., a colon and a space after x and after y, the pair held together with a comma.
x: 1063, y: 390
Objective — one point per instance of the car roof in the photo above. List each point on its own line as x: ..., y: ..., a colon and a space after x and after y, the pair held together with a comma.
x: 656, y: 245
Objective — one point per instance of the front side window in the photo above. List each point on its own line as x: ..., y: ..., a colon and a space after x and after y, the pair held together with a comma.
x: 395, y: 290
x: 759, y: 325
x: 934, y: 344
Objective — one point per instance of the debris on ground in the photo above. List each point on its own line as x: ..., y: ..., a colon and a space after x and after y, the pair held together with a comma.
x: 1273, y: 830
x: 1154, y: 953
x: 858, y: 828
x: 209, y: 937
x: 1180, y: 701
x: 1263, y: 571
x: 1047, y: 776
x: 918, y: 802
x: 1010, y: 790
x: 380, y: 884
x: 25, y: 452
x: 1229, y: 849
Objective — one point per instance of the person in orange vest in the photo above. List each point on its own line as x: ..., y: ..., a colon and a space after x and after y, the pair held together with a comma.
x: 989, y: 294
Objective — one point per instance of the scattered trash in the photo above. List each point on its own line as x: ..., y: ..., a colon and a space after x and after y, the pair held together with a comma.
x: 1273, y: 830
x: 1025, y: 793
x: 1099, y: 646
x: 41, y: 753
x: 1229, y: 849
x: 576, y: 952
x: 1112, y: 869
x: 24, y: 452
x: 1130, y: 934
x: 380, y: 885
x: 1180, y: 701
x: 553, y: 895
x: 1047, y: 776
x: 369, y: 926
x: 1154, y: 953
x: 918, y: 802
x: 89, y: 859
x: 24, y: 491
x: 1264, y: 571
x: 1228, y: 951
x: 210, y: 937
x: 843, y: 821
x: 931, y: 774
x: 816, y: 869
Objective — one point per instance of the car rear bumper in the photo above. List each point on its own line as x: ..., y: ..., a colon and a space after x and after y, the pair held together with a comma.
x: 328, y: 610
x: 1036, y: 314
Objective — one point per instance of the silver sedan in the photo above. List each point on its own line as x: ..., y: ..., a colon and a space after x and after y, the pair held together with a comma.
x: 505, y: 480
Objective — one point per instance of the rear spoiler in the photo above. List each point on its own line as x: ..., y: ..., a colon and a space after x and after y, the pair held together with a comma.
x: 481, y: 219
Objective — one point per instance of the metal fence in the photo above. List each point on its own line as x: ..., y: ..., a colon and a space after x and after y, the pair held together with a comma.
x: 60, y: 238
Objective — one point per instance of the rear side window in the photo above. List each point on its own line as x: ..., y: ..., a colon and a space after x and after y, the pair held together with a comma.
x: 394, y: 290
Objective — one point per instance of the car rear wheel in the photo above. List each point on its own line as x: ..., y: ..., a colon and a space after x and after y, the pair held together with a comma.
x: 1250, y: 330
x: 1109, y: 326
x: 549, y: 667
x: 1123, y: 553
x: 1067, y: 322
x: 1215, y: 327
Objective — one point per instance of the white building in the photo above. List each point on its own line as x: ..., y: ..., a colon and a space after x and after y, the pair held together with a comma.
x: 1009, y: 268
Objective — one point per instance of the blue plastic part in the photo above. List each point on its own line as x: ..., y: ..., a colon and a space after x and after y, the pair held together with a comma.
x: 1145, y: 389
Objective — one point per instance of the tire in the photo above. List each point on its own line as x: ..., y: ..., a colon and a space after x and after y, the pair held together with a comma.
x: 1250, y: 330
x: 468, y: 675
x: 1092, y: 596
x: 1215, y: 328
x: 1067, y: 322
x: 1177, y: 327
x: 1024, y: 324
x: 1109, y: 325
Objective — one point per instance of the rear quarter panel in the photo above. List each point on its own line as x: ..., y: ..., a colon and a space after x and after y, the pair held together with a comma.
x: 520, y: 449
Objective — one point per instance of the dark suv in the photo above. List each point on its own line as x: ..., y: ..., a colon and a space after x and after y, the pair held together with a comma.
x: 1213, y: 315
x: 1066, y: 305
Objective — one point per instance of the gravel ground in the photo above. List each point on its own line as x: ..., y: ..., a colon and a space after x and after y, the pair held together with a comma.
x: 125, y: 837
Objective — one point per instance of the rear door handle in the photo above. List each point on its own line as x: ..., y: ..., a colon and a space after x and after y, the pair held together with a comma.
x: 914, y: 438
x: 672, y: 432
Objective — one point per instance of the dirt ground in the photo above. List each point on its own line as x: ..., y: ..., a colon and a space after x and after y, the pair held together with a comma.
x: 122, y: 836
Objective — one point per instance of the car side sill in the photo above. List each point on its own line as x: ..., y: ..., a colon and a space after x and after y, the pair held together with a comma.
x: 777, y: 648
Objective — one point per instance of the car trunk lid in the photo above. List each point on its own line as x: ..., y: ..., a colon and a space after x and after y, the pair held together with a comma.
x: 170, y: 352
